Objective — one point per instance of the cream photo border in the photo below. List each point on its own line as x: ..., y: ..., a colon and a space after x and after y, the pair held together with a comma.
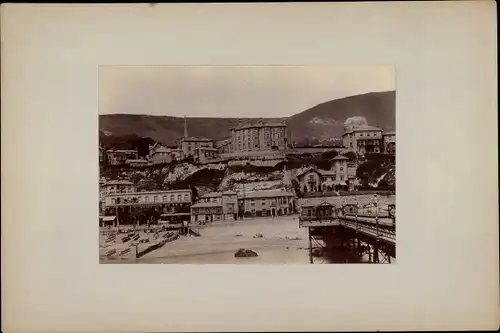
x: 446, y: 275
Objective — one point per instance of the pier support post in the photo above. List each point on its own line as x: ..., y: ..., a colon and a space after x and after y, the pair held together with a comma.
x: 310, y: 246
x: 375, y: 254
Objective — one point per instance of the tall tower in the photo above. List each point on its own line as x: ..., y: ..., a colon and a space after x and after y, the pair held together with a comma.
x: 185, y: 128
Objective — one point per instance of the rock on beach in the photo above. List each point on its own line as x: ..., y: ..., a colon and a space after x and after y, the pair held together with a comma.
x: 242, y: 253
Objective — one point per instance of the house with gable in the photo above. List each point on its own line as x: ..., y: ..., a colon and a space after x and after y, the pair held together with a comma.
x: 339, y: 177
x: 158, y: 154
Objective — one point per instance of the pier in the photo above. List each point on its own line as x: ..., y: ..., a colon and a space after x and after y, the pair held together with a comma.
x: 347, y: 229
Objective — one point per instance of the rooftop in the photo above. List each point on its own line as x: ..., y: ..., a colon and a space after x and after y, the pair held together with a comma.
x: 261, y: 123
x: 266, y: 194
x: 229, y: 193
x: 208, y: 148
x: 136, y: 161
x: 319, y: 171
x: 118, y: 182
x: 389, y: 133
x: 314, y: 202
x: 197, y: 139
x: 160, y: 149
x: 125, y: 151
x: 340, y: 158
x: 152, y: 192
x: 206, y: 204
x: 211, y: 195
x: 361, y: 129
x: 300, y: 173
x: 309, y: 202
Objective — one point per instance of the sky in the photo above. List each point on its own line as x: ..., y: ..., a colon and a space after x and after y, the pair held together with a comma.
x: 232, y: 91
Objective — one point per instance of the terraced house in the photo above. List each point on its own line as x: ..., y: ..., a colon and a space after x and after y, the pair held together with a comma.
x: 215, y: 206
x: 266, y: 203
x: 146, y: 207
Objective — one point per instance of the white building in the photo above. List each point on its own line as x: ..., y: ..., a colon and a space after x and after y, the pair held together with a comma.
x: 205, y: 155
x: 389, y: 139
x: 120, y: 156
x: 148, y: 207
x: 159, y: 154
x: 190, y: 146
x: 149, y: 197
x: 363, y: 139
x: 259, y: 136
x: 266, y: 203
x: 337, y: 178
x: 117, y: 187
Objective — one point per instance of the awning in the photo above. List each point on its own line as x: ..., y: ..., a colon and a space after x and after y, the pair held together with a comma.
x: 108, y: 218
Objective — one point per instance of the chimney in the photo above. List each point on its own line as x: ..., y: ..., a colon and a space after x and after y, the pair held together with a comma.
x: 185, y: 128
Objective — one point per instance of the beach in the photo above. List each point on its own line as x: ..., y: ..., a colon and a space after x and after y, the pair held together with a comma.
x: 282, y: 242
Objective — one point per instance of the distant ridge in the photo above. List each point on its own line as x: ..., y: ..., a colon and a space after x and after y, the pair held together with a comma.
x: 322, y: 122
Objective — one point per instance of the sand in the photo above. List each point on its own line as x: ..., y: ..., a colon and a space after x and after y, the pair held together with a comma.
x: 282, y: 242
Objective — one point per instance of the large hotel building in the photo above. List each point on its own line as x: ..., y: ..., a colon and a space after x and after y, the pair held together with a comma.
x: 259, y: 136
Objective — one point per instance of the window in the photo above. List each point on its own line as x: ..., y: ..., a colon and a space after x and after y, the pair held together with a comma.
x: 113, y: 201
x: 155, y: 198
x: 341, y: 177
x: 164, y: 198
x: 311, y: 178
x: 341, y: 169
x: 146, y: 198
x: 179, y: 197
x: 172, y: 197
x: 263, y: 202
x: 186, y: 197
x: 252, y: 203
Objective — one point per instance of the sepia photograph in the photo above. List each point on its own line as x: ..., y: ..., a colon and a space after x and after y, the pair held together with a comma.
x: 247, y: 164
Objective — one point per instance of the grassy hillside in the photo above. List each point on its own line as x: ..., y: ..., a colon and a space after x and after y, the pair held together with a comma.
x: 322, y: 121
x: 327, y: 119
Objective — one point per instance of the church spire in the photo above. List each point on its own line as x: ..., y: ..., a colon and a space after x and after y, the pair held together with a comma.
x: 185, y: 128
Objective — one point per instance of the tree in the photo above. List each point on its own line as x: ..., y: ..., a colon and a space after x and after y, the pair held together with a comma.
x: 369, y: 171
x: 328, y: 155
x: 194, y: 193
x: 142, y: 146
x: 350, y: 155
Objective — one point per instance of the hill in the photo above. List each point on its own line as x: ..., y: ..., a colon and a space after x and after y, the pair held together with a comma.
x: 322, y: 121
x: 326, y: 120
